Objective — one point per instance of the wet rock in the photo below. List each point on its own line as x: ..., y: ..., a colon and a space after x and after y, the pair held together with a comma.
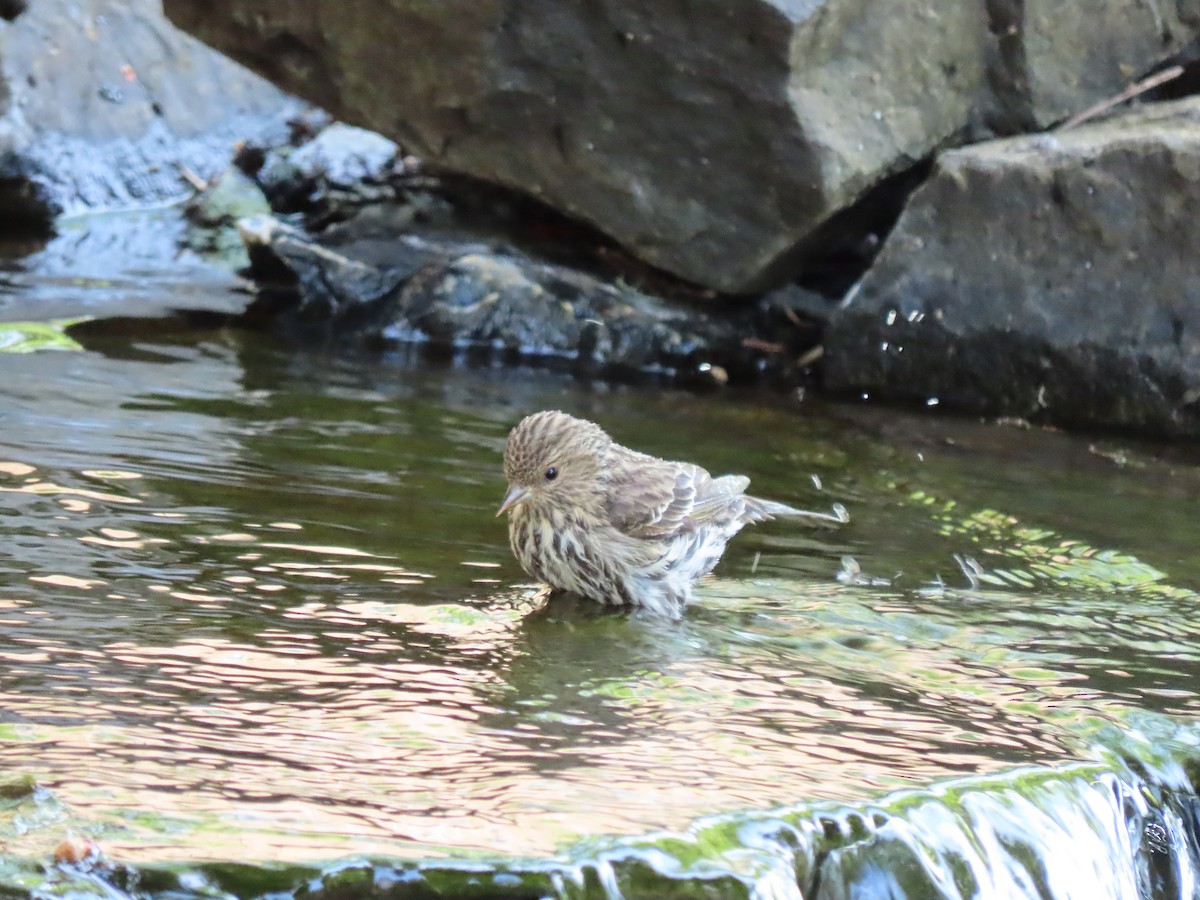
x: 213, y: 215
x: 1051, y: 277
x: 340, y: 162
x: 710, y: 141
x: 104, y: 104
x: 128, y: 263
x: 18, y: 788
x: 457, y: 296
x: 882, y: 868
x: 77, y: 850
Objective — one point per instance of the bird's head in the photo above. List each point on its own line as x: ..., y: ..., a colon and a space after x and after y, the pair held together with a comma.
x: 553, y: 460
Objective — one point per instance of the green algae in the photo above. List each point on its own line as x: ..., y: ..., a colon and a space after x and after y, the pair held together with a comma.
x: 30, y: 337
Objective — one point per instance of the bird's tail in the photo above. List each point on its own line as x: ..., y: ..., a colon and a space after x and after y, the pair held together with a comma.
x: 758, y: 509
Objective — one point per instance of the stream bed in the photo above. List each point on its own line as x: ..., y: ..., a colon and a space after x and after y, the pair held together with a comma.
x: 261, y: 633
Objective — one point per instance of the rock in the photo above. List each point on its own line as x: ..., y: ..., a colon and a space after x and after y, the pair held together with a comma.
x: 75, y: 850
x: 454, y: 296
x: 229, y: 197
x: 709, y: 140
x: 341, y: 158
x: 346, y: 156
x: 673, y: 129
x: 213, y: 215
x: 1050, y: 60
x: 127, y: 263
x: 103, y: 103
x: 1053, y: 277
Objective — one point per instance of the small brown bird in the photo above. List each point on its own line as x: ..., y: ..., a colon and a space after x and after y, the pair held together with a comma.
x: 620, y: 527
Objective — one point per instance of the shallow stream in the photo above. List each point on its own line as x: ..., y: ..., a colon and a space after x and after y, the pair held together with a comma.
x: 255, y: 606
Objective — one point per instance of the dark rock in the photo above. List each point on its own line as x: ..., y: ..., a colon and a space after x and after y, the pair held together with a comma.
x: 104, y: 104
x: 454, y: 297
x: 708, y: 140
x: 1051, y: 277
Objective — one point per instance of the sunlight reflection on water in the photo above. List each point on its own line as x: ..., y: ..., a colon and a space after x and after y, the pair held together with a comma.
x: 260, y: 613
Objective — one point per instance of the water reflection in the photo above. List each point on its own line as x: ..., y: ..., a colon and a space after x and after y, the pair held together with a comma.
x: 473, y: 726
x: 255, y: 607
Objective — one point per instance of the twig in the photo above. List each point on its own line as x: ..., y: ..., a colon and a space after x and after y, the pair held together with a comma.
x: 198, y: 183
x: 753, y: 343
x: 810, y: 357
x: 1138, y: 87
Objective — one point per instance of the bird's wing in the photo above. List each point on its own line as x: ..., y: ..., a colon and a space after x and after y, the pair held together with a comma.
x: 650, y: 498
x: 720, y: 497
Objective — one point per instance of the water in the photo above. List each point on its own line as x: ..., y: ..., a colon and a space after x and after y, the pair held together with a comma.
x: 255, y: 605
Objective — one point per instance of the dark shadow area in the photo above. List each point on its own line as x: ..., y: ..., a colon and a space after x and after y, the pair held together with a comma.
x: 1186, y: 84
x: 26, y: 212
x: 841, y: 250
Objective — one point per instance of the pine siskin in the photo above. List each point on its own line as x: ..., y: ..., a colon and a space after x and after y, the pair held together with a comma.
x: 620, y: 527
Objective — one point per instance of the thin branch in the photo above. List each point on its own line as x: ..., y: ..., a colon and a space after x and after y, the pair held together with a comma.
x: 197, y: 183
x: 1138, y: 87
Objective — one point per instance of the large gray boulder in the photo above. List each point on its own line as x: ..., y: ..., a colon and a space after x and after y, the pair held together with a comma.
x: 105, y: 104
x: 1051, y: 59
x: 1053, y: 277
x: 711, y: 139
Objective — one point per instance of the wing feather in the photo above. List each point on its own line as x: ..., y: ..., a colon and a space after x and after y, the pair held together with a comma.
x: 651, y: 498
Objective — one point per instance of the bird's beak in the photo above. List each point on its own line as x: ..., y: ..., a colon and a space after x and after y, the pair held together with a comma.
x: 516, y: 494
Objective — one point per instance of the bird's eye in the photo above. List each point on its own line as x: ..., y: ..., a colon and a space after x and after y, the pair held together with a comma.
x: 551, y: 473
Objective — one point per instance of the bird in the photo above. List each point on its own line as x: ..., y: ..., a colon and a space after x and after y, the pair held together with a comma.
x: 589, y: 516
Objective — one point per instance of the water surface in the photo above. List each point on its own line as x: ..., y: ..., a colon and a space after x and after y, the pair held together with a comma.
x: 255, y: 604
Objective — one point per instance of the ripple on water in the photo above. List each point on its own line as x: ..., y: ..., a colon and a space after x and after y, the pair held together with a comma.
x: 267, y: 613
